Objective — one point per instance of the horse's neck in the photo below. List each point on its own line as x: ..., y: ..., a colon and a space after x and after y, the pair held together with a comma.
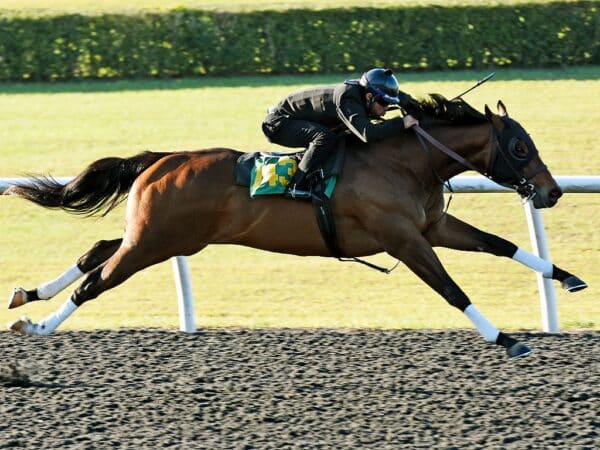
x: 404, y: 156
x: 471, y: 142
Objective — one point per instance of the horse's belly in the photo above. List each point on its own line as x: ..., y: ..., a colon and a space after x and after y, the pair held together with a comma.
x: 288, y: 226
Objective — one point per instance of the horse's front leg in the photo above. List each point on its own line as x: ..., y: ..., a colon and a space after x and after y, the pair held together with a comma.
x: 419, y: 256
x: 453, y: 233
x: 100, y: 252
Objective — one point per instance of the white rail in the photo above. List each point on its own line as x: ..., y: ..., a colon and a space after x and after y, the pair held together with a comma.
x: 462, y: 184
x: 537, y: 234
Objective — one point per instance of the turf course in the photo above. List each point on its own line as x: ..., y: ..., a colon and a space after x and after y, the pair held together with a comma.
x: 60, y: 128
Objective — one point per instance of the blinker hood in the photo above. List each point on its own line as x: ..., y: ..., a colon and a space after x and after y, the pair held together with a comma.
x: 507, y: 167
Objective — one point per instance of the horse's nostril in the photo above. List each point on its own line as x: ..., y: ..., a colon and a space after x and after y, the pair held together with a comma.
x: 555, y: 194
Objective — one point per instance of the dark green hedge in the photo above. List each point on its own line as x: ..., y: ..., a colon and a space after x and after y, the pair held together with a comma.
x: 187, y: 42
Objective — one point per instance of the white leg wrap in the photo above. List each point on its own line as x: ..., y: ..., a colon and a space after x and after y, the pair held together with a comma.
x: 534, y: 262
x: 50, y: 289
x: 51, y: 323
x: 486, y: 329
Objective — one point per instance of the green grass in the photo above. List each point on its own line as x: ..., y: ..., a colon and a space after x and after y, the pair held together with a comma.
x: 131, y: 6
x: 60, y: 128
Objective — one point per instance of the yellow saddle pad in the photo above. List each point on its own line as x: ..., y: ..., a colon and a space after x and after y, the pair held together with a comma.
x: 271, y: 174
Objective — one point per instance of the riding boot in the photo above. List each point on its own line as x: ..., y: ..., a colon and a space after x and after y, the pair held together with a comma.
x: 302, y: 181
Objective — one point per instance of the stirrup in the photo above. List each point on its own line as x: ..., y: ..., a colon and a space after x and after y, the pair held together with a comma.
x: 297, y: 193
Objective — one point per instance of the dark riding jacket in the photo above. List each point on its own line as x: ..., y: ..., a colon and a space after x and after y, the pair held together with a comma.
x: 334, y: 106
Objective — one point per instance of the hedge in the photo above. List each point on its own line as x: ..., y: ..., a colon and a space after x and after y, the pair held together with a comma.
x: 183, y: 43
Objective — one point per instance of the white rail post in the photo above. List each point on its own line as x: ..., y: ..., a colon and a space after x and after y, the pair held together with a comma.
x: 537, y: 235
x: 185, y: 297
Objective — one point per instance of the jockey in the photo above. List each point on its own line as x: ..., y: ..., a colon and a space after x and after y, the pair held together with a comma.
x: 310, y: 118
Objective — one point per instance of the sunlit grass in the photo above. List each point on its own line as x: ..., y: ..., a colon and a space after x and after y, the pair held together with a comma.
x: 61, y: 128
x: 132, y: 6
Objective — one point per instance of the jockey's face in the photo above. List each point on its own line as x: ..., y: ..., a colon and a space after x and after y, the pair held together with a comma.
x: 376, y: 109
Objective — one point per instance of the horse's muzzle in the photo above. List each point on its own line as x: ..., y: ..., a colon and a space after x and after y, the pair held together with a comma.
x: 547, y: 199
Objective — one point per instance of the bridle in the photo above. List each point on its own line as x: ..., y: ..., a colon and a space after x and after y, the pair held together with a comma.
x: 507, y: 162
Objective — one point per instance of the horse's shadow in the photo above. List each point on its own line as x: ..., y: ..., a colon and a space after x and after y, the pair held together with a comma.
x: 26, y: 383
x: 18, y: 376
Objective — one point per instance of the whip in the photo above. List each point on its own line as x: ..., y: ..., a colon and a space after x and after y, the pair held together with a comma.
x: 479, y: 83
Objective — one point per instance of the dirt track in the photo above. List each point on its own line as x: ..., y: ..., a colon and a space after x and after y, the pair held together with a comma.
x: 298, y: 389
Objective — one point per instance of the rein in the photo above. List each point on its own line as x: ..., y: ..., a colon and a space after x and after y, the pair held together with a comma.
x: 435, y: 172
x: 421, y: 133
x: 522, y: 185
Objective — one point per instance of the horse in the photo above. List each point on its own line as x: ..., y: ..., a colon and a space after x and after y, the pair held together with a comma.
x: 388, y: 199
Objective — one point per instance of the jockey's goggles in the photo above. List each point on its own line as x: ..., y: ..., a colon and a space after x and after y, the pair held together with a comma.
x: 382, y: 98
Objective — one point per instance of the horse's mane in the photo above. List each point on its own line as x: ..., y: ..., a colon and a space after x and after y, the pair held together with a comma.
x: 437, y: 108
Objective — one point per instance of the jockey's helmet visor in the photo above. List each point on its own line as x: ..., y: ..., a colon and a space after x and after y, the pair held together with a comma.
x: 382, y: 98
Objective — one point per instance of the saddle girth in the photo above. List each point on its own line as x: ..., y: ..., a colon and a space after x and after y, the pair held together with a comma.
x: 325, y: 221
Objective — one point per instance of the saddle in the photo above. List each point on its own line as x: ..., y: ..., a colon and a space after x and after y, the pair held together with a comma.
x: 270, y: 173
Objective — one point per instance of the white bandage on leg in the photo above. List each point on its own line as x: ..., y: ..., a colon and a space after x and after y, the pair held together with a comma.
x: 51, y: 323
x: 50, y: 289
x: 487, y: 330
x: 534, y: 262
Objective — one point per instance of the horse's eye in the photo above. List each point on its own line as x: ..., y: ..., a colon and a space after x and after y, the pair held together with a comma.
x: 519, y: 149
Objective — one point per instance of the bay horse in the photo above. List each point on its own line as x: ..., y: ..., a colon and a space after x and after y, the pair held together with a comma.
x: 389, y: 199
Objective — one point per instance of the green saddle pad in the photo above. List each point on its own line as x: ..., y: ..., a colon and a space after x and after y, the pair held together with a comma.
x: 271, y: 175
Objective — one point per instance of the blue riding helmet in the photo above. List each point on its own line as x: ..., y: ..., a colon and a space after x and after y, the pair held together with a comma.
x: 382, y: 84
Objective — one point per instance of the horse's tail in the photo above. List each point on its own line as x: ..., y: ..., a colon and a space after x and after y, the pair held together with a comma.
x: 98, y: 189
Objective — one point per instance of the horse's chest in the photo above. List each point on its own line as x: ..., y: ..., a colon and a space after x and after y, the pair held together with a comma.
x: 421, y: 207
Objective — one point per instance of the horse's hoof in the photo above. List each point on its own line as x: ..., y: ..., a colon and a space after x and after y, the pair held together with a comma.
x: 573, y: 284
x: 22, y: 326
x: 519, y: 350
x: 18, y: 298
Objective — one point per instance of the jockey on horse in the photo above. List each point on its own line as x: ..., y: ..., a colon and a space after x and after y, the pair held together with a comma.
x: 312, y: 119
x: 389, y: 200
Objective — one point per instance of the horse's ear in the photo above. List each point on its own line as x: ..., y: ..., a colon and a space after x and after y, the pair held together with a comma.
x: 488, y: 113
x: 494, y: 118
x: 502, y: 109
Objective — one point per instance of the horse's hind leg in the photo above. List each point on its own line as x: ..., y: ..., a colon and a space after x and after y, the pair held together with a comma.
x: 453, y: 233
x: 100, y: 252
x: 120, y: 266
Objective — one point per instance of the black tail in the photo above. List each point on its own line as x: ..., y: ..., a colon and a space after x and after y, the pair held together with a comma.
x: 98, y: 189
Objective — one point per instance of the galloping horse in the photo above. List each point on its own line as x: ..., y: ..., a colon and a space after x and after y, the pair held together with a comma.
x: 389, y: 198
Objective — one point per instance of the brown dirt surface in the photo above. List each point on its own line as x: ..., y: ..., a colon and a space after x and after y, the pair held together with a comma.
x: 279, y: 389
